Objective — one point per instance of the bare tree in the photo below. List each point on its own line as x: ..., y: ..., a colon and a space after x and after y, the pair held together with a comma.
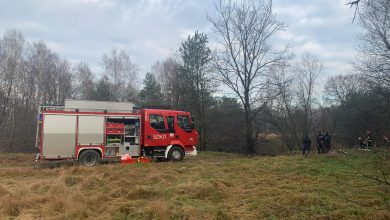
x: 374, y: 58
x: 64, y: 81
x: 29, y: 75
x: 84, y: 83
x: 282, y: 112
x: 122, y: 73
x: 168, y: 75
x: 308, y: 71
x: 354, y: 4
x: 54, y: 76
x: 11, y: 68
x: 245, y: 29
x: 11, y: 60
x: 340, y: 87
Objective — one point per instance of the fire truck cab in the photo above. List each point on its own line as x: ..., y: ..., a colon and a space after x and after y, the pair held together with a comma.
x: 165, y: 130
x: 89, y: 134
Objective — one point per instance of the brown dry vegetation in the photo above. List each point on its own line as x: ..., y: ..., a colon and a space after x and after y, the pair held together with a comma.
x: 210, y: 186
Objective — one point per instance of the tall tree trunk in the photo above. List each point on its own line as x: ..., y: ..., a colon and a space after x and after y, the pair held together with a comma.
x: 293, y: 125
x: 249, y: 131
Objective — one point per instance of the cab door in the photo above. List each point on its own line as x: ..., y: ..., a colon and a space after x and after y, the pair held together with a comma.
x: 171, y: 127
x: 156, y: 132
x: 185, y: 131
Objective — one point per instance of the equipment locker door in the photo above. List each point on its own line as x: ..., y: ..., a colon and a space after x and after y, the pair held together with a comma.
x: 91, y: 130
x: 59, y: 136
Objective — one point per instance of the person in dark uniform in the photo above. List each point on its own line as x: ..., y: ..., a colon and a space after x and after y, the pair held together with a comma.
x: 386, y: 142
x: 369, y: 140
x: 306, y: 145
x: 320, y: 143
x: 361, y: 143
x: 327, y: 141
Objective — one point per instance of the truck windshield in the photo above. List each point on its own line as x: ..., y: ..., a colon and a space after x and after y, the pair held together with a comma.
x: 184, y: 122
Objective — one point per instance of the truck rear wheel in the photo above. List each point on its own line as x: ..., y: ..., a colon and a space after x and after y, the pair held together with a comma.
x: 89, y: 158
x: 176, y: 154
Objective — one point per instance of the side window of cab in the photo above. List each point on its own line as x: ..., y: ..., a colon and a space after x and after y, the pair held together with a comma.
x: 157, y: 122
x: 183, y: 121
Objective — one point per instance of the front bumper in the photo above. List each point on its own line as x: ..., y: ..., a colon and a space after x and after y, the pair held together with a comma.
x: 192, y: 153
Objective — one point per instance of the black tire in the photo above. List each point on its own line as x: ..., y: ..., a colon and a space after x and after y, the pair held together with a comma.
x: 89, y: 158
x: 176, y: 154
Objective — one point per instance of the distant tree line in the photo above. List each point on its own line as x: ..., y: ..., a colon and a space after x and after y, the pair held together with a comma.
x: 32, y: 74
x: 271, y: 101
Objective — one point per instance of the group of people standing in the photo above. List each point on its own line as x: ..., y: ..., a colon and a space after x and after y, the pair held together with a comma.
x: 323, y: 143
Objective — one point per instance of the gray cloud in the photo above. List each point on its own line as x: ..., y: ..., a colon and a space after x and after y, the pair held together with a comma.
x: 323, y: 28
x: 150, y: 30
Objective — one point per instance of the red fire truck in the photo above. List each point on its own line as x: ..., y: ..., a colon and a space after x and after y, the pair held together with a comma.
x: 88, y: 133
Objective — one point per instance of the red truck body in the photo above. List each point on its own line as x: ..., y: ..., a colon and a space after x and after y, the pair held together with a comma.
x: 84, y: 135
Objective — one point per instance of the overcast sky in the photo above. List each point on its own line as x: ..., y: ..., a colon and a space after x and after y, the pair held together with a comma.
x: 151, y: 30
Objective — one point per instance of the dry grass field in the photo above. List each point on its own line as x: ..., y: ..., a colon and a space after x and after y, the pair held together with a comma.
x: 210, y: 186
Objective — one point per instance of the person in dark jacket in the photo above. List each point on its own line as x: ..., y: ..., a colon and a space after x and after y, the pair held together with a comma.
x: 306, y: 145
x: 327, y: 141
x: 369, y: 140
x: 386, y: 142
x: 320, y: 143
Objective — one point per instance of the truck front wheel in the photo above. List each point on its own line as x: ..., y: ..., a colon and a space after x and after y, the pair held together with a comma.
x: 89, y: 158
x: 176, y: 154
